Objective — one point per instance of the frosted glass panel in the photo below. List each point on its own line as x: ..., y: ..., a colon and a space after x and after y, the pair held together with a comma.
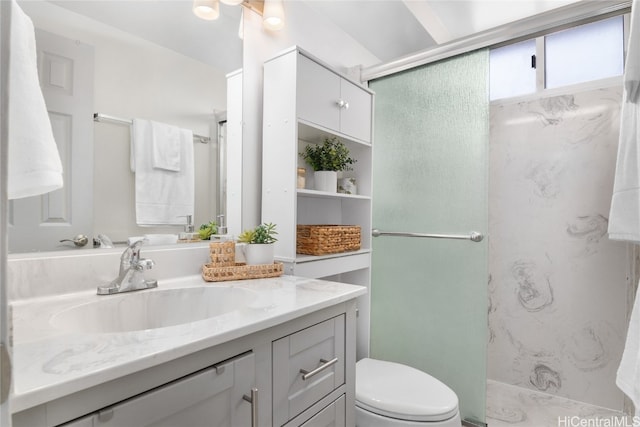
x: 585, y: 53
x: 511, y: 72
x: 429, y: 297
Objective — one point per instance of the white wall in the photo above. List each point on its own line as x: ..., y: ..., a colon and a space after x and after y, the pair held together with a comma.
x: 135, y: 78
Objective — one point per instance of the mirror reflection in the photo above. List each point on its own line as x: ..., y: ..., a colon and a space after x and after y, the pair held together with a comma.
x: 128, y: 60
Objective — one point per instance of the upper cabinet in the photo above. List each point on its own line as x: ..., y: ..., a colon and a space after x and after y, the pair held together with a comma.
x: 329, y: 100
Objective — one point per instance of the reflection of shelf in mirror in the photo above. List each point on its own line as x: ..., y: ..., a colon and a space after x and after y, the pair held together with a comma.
x: 309, y: 258
x: 316, y: 134
x: 323, y: 194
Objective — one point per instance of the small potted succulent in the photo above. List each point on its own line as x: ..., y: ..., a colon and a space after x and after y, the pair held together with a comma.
x: 327, y: 160
x: 258, y: 248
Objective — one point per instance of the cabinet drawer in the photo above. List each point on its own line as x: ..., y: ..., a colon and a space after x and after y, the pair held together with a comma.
x: 333, y: 415
x: 307, y: 366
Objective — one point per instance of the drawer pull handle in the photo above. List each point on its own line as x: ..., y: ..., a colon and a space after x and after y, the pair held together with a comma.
x: 253, y: 399
x: 325, y: 364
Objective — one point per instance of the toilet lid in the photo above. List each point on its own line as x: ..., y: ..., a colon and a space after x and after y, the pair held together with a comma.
x: 402, y: 392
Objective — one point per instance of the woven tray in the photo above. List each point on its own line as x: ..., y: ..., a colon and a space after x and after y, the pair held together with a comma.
x: 214, y: 273
x: 327, y: 239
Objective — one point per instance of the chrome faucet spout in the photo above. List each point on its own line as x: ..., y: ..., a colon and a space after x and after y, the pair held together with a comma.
x: 131, y: 274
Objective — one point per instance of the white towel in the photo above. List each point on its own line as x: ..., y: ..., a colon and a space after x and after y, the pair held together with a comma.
x: 34, y: 162
x: 624, y: 216
x: 628, y: 378
x: 162, y: 197
x: 166, y: 146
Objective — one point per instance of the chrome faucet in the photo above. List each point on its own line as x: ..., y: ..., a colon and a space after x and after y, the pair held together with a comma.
x: 131, y: 276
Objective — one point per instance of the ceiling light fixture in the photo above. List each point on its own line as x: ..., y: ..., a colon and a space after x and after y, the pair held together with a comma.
x: 273, y: 15
x: 206, y: 9
x: 232, y: 2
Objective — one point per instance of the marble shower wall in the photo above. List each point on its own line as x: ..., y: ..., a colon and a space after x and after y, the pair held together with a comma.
x: 558, y: 286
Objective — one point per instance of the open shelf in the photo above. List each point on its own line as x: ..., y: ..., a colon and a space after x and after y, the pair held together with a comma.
x: 300, y: 258
x: 311, y: 132
x: 303, y: 192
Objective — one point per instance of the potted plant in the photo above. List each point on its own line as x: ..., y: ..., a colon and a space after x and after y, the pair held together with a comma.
x: 327, y: 160
x: 258, y: 248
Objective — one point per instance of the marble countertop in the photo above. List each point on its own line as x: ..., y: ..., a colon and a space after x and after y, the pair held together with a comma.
x: 50, y: 362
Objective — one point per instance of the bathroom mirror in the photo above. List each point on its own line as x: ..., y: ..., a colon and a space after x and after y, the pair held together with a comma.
x: 151, y: 60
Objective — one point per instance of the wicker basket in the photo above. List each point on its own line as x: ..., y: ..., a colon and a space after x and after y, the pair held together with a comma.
x: 327, y: 239
x: 223, y: 254
x: 214, y: 273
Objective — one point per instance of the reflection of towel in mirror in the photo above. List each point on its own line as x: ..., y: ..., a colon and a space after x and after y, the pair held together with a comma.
x: 162, y: 196
x: 34, y: 165
x: 165, y: 146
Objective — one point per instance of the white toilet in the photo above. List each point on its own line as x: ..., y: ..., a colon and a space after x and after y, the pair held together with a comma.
x: 393, y: 395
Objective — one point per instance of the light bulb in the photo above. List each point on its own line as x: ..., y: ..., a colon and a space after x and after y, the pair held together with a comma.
x: 206, y: 9
x: 273, y: 15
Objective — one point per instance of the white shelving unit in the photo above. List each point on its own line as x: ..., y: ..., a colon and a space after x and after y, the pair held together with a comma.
x: 305, y: 101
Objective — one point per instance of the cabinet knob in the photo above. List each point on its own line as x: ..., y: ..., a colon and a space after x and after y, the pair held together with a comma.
x: 342, y: 104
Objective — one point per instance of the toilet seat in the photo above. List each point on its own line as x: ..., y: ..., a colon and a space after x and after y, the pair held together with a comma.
x: 402, y: 392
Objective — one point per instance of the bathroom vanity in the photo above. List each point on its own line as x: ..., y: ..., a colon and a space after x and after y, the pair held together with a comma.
x: 267, y: 352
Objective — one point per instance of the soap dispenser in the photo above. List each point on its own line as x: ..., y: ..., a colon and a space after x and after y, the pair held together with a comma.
x: 189, y: 234
x: 222, y: 227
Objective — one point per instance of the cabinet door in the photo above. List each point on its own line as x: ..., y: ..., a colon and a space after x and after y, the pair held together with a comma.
x: 355, y: 117
x: 307, y: 366
x: 212, y: 397
x: 318, y: 94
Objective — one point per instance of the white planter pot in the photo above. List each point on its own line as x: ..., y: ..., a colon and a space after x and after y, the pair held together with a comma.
x: 326, y: 181
x: 257, y: 254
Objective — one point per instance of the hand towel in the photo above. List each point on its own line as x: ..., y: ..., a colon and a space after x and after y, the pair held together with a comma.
x: 624, y: 216
x: 34, y: 162
x: 165, y: 146
x: 162, y: 196
x: 628, y: 377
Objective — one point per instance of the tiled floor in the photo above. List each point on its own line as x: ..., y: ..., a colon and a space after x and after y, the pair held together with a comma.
x: 509, y: 405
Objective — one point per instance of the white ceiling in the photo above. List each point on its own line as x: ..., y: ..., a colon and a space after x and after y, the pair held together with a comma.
x: 388, y: 29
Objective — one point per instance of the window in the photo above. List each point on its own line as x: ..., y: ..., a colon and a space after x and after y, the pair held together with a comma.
x: 511, y: 73
x: 588, y: 52
x: 577, y: 55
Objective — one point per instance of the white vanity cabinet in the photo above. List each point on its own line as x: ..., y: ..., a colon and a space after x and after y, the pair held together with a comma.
x: 302, y: 98
x: 220, y: 396
x: 292, y: 373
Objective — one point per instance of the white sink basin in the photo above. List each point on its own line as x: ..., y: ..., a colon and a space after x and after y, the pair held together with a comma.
x: 151, y: 309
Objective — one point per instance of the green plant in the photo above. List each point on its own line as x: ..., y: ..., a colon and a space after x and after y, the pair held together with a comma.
x: 206, y: 230
x: 262, y: 234
x: 332, y: 155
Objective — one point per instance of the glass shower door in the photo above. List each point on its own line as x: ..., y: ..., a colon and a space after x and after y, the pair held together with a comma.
x: 429, y: 296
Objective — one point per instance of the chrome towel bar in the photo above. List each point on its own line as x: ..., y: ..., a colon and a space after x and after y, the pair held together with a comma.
x: 100, y: 117
x: 474, y: 236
